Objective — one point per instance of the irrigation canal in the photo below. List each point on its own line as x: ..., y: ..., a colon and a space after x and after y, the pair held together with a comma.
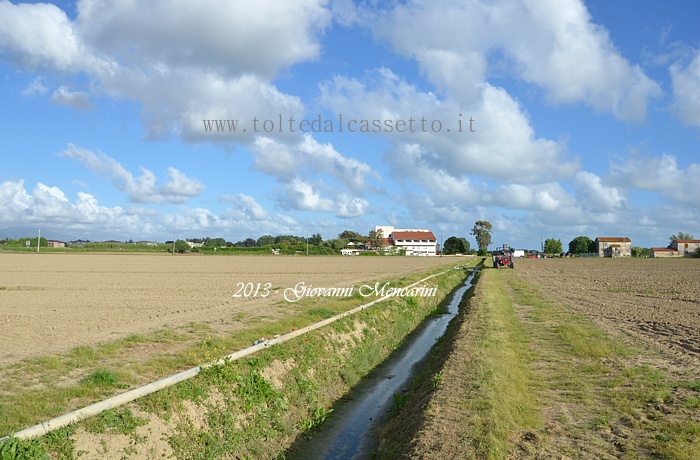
x: 349, y: 432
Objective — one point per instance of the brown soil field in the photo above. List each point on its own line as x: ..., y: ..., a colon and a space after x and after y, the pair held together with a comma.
x: 656, y: 301
x: 50, y: 303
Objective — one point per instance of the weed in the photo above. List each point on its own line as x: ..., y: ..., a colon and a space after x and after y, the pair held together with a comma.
x: 118, y: 420
x: 318, y: 417
x: 102, y: 378
x: 436, y: 380
x: 398, y: 402
x: 20, y: 449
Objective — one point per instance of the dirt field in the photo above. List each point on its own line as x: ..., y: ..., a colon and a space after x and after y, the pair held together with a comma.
x: 655, y: 300
x: 50, y: 303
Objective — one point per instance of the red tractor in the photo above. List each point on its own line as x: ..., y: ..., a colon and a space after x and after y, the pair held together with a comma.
x: 503, y: 257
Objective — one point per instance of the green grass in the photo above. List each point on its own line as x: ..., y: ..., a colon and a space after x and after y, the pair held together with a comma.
x: 598, y: 376
x: 90, y: 373
x: 502, y: 378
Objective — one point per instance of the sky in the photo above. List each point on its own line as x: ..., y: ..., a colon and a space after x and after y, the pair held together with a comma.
x: 547, y: 118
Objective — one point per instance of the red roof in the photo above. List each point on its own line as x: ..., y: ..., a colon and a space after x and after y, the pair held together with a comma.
x: 414, y: 236
x: 614, y: 239
x: 664, y: 250
x: 687, y: 241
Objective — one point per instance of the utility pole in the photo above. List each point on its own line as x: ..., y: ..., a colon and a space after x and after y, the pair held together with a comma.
x: 38, y: 241
x: 307, y: 243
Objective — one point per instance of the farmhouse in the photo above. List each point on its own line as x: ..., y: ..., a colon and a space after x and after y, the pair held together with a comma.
x: 663, y: 252
x: 55, y: 244
x: 686, y: 247
x: 613, y: 246
x: 412, y: 242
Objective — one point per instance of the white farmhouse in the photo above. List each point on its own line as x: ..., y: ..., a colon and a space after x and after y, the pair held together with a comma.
x: 415, y: 242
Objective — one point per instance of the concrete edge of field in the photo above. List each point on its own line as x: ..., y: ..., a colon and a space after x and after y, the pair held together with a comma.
x: 134, y: 394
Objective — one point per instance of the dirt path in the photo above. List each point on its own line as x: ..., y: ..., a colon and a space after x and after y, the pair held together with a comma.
x: 613, y: 371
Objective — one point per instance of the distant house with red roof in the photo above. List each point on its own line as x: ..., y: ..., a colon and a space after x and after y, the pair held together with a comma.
x: 664, y: 252
x: 613, y: 246
x: 686, y: 247
x: 412, y: 242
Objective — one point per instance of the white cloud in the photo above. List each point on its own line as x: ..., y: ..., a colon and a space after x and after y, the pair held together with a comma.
x: 41, y: 36
x: 140, y: 189
x: 553, y: 44
x: 183, y: 62
x: 660, y: 175
x: 300, y: 194
x: 36, y: 87
x: 228, y: 37
x: 311, y: 159
x: 77, y: 99
x: 686, y: 90
x: 247, y: 205
x: 351, y: 206
x: 596, y: 196
x: 16, y: 201
x: 503, y: 147
x: 541, y: 197
x: 86, y: 218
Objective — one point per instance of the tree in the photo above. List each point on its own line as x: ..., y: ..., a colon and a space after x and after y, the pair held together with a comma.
x: 467, y: 246
x: 315, y: 239
x: 181, y: 246
x: 552, y: 246
x: 679, y: 236
x: 482, y: 234
x: 453, y: 245
x: 638, y: 251
x: 214, y: 242
x: 338, y: 243
x: 265, y: 240
x: 581, y: 245
x: 376, y: 237
x: 352, y: 236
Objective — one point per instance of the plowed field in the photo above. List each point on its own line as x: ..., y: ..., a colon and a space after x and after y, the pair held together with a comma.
x: 655, y: 300
x: 52, y: 302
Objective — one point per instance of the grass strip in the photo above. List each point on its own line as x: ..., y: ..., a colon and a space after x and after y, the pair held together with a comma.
x: 374, y: 347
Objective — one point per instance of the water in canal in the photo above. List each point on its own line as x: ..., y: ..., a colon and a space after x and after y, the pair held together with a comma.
x: 348, y: 434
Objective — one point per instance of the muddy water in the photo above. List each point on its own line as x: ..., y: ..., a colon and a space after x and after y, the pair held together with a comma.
x: 348, y: 434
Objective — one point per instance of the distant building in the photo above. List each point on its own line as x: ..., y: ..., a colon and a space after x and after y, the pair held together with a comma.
x: 613, y: 246
x: 412, y: 242
x: 686, y: 247
x: 55, y: 244
x: 663, y: 252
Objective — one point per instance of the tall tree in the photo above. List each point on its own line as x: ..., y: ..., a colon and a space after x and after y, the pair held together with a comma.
x: 315, y: 239
x: 482, y: 234
x: 376, y: 237
x: 581, y: 245
x: 552, y: 246
x: 679, y: 236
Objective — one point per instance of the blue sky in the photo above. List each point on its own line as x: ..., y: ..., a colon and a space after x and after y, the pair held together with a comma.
x: 586, y: 118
